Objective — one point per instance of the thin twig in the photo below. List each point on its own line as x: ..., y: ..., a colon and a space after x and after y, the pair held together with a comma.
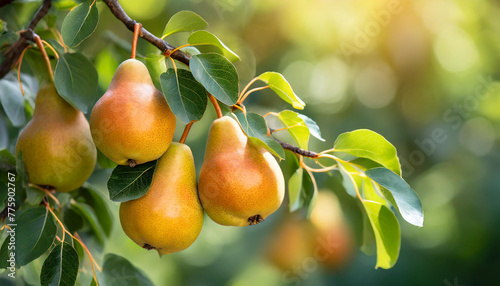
x: 120, y: 14
x: 14, y: 52
x: 296, y: 149
x: 244, y: 96
x: 48, y: 193
x: 79, y: 240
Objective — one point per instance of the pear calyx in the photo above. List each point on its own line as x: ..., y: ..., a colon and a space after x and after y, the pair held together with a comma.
x: 256, y: 219
x: 131, y: 163
x: 148, y: 246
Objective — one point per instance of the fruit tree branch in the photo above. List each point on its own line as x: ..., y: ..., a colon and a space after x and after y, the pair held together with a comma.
x: 5, y: 2
x: 165, y: 47
x: 14, y: 52
x: 297, y: 150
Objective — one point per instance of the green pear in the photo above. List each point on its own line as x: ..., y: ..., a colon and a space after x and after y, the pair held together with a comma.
x: 169, y: 217
x: 132, y: 122
x: 56, y: 146
x: 240, y: 183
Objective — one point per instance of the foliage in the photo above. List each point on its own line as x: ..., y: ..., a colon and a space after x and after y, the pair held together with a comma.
x: 367, y: 163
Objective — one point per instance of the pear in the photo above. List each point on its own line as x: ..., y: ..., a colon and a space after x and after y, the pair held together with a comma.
x: 335, y: 239
x: 56, y: 146
x: 132, y: 122
x: 169, y: 217
x: 289, y: 244
x: 240, y: 183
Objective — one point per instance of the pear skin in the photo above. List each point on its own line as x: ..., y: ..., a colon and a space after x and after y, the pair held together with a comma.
x: 132, y: 122
x: 240, y: 183
x: 169, y: 217
x: 56, y: 146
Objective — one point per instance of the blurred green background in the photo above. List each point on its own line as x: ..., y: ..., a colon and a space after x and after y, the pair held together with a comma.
x: 424, y: 74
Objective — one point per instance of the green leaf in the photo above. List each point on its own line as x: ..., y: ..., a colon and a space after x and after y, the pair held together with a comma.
x: 404, y: 198
x: 76, y: 80
x: 156, y: 66
x: 34, y: 196
x: 217, y: 75
x: 255, y: 127
x: 80, y: 23
x: 126, y: 183
x: 295, y: 190
x: 192, y: 51
x: 201, y: 38
x: 12, y: 100
x: 349, y: 174
x: 22, y: 176
x: 3, y: 26
x: 61, y: 266
x: 371, y: 191
x: 365, y: 143
x: 186, y: 97
x: 57, y: 46
x: 313, y: 127
x: 71, y: 219
x: 104, y: 161
x: 369, y: 245
x: 119, y: 271
x: 7, y: 160
x: 101, y: 209
x: 184, y: 21
x: 387, y: 234
x: 299, y: 130
x: 282, y: 88
x: 86, y: 212
x: 65, y: 4
x: 310, y: 193
x: 35, y: 231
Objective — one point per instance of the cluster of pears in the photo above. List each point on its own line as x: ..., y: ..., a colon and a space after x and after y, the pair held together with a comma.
x: 56, y: 145
x: 240, y: 183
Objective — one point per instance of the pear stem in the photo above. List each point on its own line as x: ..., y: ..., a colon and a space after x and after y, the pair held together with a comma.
x: 137, y: 31
x: 186, y: 131
x: 216, y: 105
x: 44, y: 54
x: 20, y: 61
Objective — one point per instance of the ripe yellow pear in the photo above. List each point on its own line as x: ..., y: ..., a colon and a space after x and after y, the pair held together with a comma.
x: 169, y: 217
x: 240, y: 183
x: 56, y: 146
x: 132, y: 122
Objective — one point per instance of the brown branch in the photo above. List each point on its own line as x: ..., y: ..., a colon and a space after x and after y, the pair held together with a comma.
x: 297, y: 150
x: 12, y: 55
x: 5, y: 2
x: 165, y: 47
x: 14, y: 52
